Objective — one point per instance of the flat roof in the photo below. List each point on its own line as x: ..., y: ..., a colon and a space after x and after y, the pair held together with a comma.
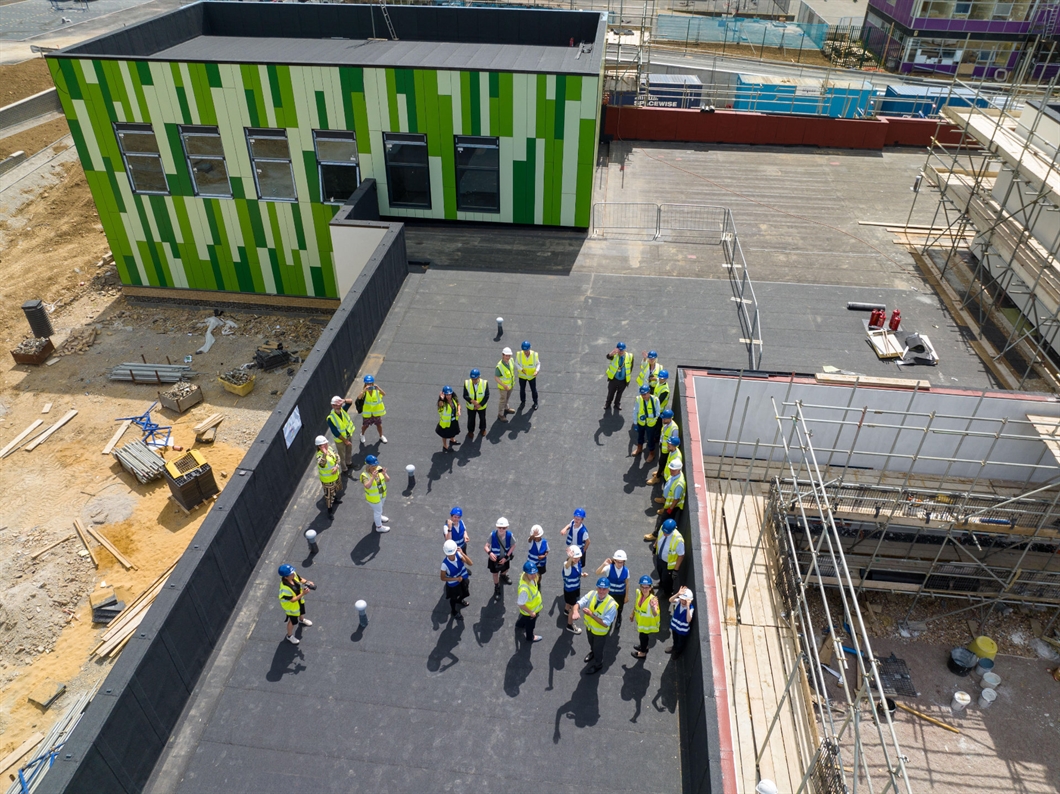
x: 526, y: 40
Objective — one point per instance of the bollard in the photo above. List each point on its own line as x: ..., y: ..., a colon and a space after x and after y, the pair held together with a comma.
x: 311, y: 537
x: 500, y: 327
x: 411, y: 471
x: 362, y: 614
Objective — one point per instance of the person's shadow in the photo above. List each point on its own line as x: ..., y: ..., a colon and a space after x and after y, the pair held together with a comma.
x: 282, y: 660
x: 635, y: 682
x: 636, y: 477
x: 491, y: 619
x: 666, y: 698
x: 519, y: 422
x: 610, y: 423
x: 441, y: 463
x: 583, y: 708
x: 497, y: 430
x: 366, y: 549
x: 562, y: 649
x: 470, y: 449
x: 442, y: 657
x: 519, y: 666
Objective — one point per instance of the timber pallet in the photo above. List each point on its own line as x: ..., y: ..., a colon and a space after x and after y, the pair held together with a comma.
x: 210, y: 500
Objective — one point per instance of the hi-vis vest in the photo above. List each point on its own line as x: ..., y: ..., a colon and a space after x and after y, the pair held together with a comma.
x: 681, y: 619
x: 526, y: 363
x: 342, y: 421
x: 533, y: 595
x: 373, y: 404
x: 377, y: 491
x: 477, y: 393
x: 329, y: 472
x: 662, y: 391
x: 647, y: 410
x: 594, y: 613
x: 670, y: 489
x: 675, y: 454
x: 291, y: 605
x: 668, y: 430
x: 507, y: 377
x: 672, y: 540
x: 648, y: 371
x: 612, y: 369
x: 446, y: 413
x: 647, y: 623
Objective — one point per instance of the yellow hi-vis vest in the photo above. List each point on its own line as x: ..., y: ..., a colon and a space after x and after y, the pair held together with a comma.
x: 662, y: 391
x: 647, y: 623
x: 612, y: 369
x: 594, y: 618
x: 291, y: 605
x: 667, y: 431
x: 673, y: 539
x: 647, y: 410
x: 329, y: 472
x: 342, y: 422
x: 526, y: 364
x: 670, y: 489
x: 477, y: 393
x: 446, y: 414
x: 377, y: 491
x: 533, y: 595
x: 373, y: 404
x: 507, y: 376
x: 675, y: 454
x: 648, y: 371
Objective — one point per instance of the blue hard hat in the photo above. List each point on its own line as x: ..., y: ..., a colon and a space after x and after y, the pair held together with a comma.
x: 603, y: 581
x: 579, y: 513
x: 475, y: 373
x: 529, y: 567
x: 644, y: 389
x: 526, y: 345
x: 667, y: 414
x: 652, y: 354
x: 664, y: 373
x: 645, y: 579
x: 456, y: 511
x: 675, y: 439
x: 371, y: 460
x: 369, y: 379
x: 669, y: 525
x: 447, y: 389
x: 286, y: 570
x: 621, y: 345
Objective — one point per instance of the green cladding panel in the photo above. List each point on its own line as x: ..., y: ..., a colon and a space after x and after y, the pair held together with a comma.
x: 547, y: 126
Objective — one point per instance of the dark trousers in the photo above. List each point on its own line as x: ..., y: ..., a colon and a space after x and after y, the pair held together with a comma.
x: 472, y: 414
x: 615, y: 387
x: 596, y: 646
x: 642, y: 646
x: 522, y: 389
x: 680, y: 641
x: 661, y: 471
x: 668, y: 580
x: 529, y: 623
x: 646, y: 435
x: 456, y: 593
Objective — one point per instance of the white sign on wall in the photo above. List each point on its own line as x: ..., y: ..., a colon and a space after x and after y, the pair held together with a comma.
x: 292, y: 426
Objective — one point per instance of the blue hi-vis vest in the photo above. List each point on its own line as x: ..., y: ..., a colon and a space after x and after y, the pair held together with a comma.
x: 497, y: 548
x: 455, y: 568
x: 457, y: 534
x: 617, y: 580
x: 582, y: 534
x: 572, y: 581
x: 538, y: 550
x: 679, y: 620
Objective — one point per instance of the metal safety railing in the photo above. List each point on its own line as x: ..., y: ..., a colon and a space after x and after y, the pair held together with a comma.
x: 619, y: 220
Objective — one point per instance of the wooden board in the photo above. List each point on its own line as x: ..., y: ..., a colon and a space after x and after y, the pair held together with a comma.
x: 49, y: 547
x: 885, y: 344
x: 863, y: 380
x: 210, y: 421
x: 116, y: 437
x: 84, y: 539
x: 13, y: 444
x: 48, y: 433
x: 1049, y: 429
x: 17, y: 754
x: 47, y: 407
x: 110, y: 547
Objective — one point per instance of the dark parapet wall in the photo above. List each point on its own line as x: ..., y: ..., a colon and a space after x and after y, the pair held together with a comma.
x: 114, y: 748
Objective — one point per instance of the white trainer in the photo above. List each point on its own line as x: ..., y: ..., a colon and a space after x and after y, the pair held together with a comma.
x: 363, y: 439
x: 383, y: 439
x: 385, y: 519
x: 305, y: 621
x: 293, y: 639
x: 382, y: 529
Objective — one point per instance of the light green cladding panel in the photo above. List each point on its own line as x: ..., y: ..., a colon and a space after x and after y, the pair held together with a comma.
x: 547, y: 126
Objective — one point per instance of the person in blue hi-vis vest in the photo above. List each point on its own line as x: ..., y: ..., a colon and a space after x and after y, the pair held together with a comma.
x: 455, y: 529
x: 572, y: 585
x: 538, y: 551
x: 577, y: 534
x: 680, y: 621
x: 499, y: 548
x: 455, y: 574
x: 614, y: 568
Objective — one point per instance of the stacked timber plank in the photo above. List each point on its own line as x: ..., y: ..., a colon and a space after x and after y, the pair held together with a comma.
x: 138, y: 372
x: 140, y: 461
x: 124, y: 626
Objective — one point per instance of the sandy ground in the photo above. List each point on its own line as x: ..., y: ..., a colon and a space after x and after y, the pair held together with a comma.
x: 33, y: 140
x: 21, y: 80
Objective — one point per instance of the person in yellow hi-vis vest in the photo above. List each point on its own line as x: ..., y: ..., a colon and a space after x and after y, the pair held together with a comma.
x: 529, y: 601
x: 504, y: 375
x: 668, y: 430
x: 669, y: 556
x: 292, y: 598
x: 342, y: 428
x: 374, y: 479
x: 372, y: 408
x: 527, y: 365
x: 599, y: 610
x: 646, y: 415
x: 329, y: 473
x: 649, y: 368
x: 645, y: 615
x: 619, y: 371
x: 448, y: 419
x: 476, y: 396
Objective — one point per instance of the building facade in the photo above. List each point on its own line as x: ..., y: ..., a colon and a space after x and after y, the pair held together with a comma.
x: 217, y: 159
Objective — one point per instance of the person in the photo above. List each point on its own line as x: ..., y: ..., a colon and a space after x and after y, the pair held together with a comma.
x: 448, y: 419
x: 647, y: 416
x: 649, y: 368
x: 600, y: 610
x: 504, y: 375
x: 668, y: 429
x: 499, y: 550
x: 619, y: 371
x: 342, y: 428
x: 372, y: 408
x: 614, y: 568
x: 577, y: 534
x: 527, y: 364
x: 292, y: 598
x: 680, y: 621
x: 669, y: 556
x: 661, y: 388
x: 529, y: 601
x: 645, y: 615
x: 572, y: 585
x: 538, y: 553
x: 673, y: 492
x: 374, y: 479
x: 455, y: 530
x: 476, y: 395
x: 455, y: 575
x: 328, y: 471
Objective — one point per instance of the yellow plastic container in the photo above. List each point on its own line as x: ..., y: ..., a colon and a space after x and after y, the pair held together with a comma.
x: 983, y: 647
x: 242, y: 391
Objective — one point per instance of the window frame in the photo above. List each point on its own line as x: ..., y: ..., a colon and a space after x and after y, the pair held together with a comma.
x: 274, y: 133
x: 409, y: 138
x: 120, y: 128
x: 356, y: 165
x: 477, y: 142
x: 200, y: 131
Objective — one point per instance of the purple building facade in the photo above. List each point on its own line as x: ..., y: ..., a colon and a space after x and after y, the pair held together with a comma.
x: 968, y: 38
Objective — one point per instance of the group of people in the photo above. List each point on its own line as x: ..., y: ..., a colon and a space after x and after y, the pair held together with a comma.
x: 601, y: 608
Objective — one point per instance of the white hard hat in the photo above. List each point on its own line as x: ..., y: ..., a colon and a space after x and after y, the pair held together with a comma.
x: 619, y: 555
x: 336, y: 400
x: 575, y: 552
x: 320, y: 440
x: 685, y: 594
x: 766, y: 786
x: 502, y: 521
x: 506, y: 352
x: 676, y: 465
x: 449, y: 547
x: 537, y: 530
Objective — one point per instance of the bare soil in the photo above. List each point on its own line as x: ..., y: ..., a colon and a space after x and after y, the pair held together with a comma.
x: 20, y: 80
x: 33, y: 140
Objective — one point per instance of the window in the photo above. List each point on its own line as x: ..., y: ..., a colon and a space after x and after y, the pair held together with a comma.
x: 1003, y: 11
x: 337, y: 165
x: 961, y: 10
x: 206, y: 161
x: 478, y: 181
x: 271, y: 157
x: 408, y: 174
x: 143, y: 163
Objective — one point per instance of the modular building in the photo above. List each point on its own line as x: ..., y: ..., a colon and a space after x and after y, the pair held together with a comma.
x: 219, y: 140
x: 845, y: 99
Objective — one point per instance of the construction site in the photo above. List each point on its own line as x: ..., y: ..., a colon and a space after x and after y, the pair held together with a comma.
x: 863, y: 345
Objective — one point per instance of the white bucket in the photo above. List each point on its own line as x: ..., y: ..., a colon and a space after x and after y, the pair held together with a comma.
x: 986, y: 697
x: 960, y: 700
x: 991, y: 680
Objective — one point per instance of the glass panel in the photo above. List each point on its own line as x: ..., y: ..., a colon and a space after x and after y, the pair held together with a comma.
x: 332, y: 149
x: 137, y: 142
x: 146, y: 174
x: 275, y: 180
x: 204, y: 144
x: 410, y: 186
x: 211, y: 176
x: 406, y: 154
x: 478, y: 191
x: 477, y: 157
x: 274, y: 148
x: 1003, y: 11
x: 337, y: 182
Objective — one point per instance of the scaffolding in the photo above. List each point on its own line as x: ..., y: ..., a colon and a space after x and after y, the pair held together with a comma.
x: 628, y: 55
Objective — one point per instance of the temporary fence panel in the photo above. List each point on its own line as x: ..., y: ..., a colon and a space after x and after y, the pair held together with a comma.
x: 692, y: 223
x: 626, y: 220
